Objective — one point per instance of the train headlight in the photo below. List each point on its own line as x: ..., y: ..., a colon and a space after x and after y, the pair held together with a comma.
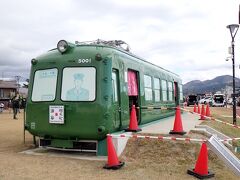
x: 62, y: 46
x: 34, y: 61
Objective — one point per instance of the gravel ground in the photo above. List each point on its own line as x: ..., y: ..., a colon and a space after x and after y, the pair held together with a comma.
x: 145, y: 159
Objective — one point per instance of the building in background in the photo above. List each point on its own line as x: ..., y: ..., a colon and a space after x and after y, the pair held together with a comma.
x: 7, y: 90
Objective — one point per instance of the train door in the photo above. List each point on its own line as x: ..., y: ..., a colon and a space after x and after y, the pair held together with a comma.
x: 176, y: 93
x: 133, y: 91
x: 116, y: 99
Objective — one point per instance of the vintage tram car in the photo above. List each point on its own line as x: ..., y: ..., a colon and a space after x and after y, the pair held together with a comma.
x: 80, y: 92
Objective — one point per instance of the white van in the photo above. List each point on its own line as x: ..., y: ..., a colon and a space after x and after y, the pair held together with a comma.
x: 218, y: 100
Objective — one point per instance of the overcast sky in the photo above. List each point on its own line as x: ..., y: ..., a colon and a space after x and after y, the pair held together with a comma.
x: 188, y: 37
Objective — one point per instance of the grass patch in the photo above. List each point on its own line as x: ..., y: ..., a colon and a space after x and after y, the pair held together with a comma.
x: 223, y: 114
x: 168, y: 159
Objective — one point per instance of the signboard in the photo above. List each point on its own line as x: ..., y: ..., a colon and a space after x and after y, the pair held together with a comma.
x: 56, y: 114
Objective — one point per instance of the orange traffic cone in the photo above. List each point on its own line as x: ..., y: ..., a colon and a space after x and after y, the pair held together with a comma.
x: 113, y: 162
x: 208, y: 110
x: 133, y: 124
x: 195, y: 108
x: 201, y: 168
x: 177, y: 128
x: 202, y: 116
x: 199, y: 109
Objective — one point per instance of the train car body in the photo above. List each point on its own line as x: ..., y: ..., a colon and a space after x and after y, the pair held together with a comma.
x: 80, y: 92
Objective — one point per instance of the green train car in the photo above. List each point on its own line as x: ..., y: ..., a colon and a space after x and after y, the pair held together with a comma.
x: 80, y: 92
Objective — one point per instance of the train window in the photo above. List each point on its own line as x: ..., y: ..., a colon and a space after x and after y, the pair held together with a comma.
x: 78, y: 84
x: 148, y: 87
x: 164, y: 90
x: 181, y: 92
x: 44, y: 85
x: 157, y: 89
x: 170, y: 91
x: 115, y: 86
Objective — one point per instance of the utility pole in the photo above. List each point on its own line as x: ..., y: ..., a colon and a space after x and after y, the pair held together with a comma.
x: 17, y: 78
x: 233, y: 31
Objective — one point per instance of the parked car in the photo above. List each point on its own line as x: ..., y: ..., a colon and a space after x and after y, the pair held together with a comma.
x: 219, y: 100
x: 191, y: 100
x: 206, y: 100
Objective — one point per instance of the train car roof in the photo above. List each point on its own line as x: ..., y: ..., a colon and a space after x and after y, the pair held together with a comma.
x: 114, y: 44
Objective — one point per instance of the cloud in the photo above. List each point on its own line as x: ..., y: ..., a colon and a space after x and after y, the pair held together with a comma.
x: 186, y: 37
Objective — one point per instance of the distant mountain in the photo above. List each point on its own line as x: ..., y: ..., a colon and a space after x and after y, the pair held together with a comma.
x: 209, y: 86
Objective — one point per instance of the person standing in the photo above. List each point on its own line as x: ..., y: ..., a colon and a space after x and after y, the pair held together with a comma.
x: 1, y: 107
x: 15, y: 105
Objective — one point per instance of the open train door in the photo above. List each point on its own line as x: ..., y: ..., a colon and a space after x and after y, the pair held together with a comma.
x: 133, y: 91
x: 176, y: 93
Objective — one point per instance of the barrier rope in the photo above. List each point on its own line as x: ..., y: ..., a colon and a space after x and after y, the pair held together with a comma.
x: 212, y: 118
x: 230, y: 139
x: 207, y: 117
x: 161, y: 108
x: 171, y: 138
x: 158, y: 137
